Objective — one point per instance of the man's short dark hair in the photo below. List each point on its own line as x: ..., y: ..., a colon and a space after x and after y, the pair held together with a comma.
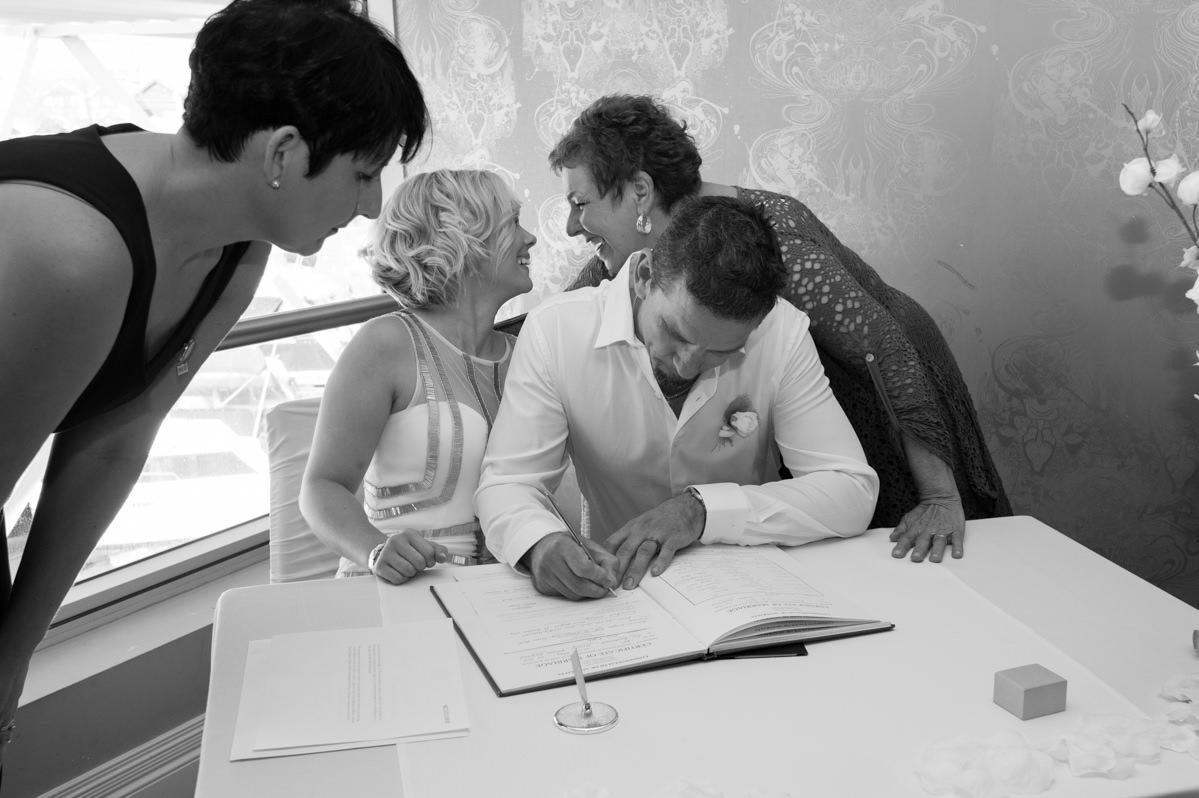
x: 725, y: 251
x: 321, y: 65
x: 621, y: 134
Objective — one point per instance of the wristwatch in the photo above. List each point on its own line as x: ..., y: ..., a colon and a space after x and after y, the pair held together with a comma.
x: 373, y: 557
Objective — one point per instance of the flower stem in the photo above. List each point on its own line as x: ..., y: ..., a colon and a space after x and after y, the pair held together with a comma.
x: 1188, y: 226
x: 1191, y: 227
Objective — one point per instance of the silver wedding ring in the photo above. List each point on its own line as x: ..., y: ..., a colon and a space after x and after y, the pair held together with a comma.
x: 657, y: 545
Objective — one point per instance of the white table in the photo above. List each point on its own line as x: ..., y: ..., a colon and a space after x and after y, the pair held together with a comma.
x: 850, y: 719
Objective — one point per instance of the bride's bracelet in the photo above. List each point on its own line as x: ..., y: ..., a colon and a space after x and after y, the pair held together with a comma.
x: 8, y: 732
x: 373, y: 558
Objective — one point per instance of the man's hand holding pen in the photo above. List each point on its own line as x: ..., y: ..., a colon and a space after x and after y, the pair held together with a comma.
x: 560, y: 566
x: 566, y: 564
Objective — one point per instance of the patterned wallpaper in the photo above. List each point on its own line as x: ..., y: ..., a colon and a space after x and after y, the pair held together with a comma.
x: 968, y: 149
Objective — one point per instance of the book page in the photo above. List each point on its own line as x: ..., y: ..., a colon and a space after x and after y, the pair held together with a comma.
x: 718, y: 591
x: 524, y: 638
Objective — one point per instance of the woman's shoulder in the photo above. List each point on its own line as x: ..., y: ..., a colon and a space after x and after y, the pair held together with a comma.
x: 67, y: 281
x: 61, y: 237
x: 381, y: 353
x: 789, y: 216
x: 772, y: 200
x: 381, y: 339
x: 385, y: 331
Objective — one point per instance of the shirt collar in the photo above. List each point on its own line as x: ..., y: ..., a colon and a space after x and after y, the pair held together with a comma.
x: 616, y: 324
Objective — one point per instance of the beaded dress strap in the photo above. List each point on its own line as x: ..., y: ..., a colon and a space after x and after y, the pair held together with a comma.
x: 428, y: 362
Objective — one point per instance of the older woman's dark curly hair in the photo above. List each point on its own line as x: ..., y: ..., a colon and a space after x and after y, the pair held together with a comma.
x: 621, y: 134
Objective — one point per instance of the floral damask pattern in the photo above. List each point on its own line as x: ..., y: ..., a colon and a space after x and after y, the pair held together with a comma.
x: 859, y: 80
x: 465, y: 61
x: 660, y: 46
x: 968, y: 149
x: 1066, y: 97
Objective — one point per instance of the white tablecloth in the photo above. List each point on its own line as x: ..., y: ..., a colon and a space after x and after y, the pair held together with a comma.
x: 849, y: 719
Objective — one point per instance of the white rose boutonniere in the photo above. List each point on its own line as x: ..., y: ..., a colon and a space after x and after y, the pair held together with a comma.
x: 745, y: 423
x: 740, y: 421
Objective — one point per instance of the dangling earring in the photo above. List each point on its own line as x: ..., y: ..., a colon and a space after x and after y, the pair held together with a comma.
x: 644, y: 225
x: 275, y: 185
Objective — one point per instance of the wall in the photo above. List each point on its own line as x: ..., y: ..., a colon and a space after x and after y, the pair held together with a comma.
x: 968, y: 149
x: 115, y: 711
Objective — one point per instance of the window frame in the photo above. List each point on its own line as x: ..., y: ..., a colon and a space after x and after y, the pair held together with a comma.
x: 94, y: 601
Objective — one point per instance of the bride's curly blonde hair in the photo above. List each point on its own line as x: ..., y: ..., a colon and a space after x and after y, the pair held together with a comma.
x: 437, y: 230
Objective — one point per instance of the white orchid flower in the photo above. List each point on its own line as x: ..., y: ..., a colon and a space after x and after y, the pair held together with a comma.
x: 1188, y: 189
x: 1136, y: 177
x: 1193, y: 294
x: 1150, y: 123
x: 1165, y: 171
x: 1190, y: 259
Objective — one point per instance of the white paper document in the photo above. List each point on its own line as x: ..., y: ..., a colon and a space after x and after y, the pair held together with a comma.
x: 347, y: 688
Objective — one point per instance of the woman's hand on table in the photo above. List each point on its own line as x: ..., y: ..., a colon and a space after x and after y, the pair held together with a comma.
x: 928, y: 529
x: 405, y: 554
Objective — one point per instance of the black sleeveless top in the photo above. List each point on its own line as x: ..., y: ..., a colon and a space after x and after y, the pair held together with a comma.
x: 80, y: 164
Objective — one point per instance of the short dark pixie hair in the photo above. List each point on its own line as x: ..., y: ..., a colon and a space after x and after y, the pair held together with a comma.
x: 321, y: 65
x: 621, y: 134
x: 725, y: 251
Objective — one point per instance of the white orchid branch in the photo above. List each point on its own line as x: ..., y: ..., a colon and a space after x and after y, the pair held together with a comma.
x: 1143, y: 126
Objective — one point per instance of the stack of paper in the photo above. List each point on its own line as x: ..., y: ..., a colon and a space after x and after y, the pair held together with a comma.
x: 350, y: 688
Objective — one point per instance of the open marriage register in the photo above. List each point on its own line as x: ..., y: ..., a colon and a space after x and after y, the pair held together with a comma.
x: 712, y: 600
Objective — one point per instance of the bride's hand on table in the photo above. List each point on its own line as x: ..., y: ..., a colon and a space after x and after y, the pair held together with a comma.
x: 405, y: 554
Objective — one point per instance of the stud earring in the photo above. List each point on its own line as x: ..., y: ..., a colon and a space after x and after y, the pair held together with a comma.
x: 275, y: 185
x: 644, y: 225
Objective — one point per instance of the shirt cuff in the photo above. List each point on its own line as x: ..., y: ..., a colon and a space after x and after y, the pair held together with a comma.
x: 727, y: 510
x: 531, y: 533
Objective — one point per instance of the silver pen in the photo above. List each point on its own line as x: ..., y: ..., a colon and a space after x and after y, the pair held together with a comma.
x: 579, y: 682
x: 570, y: 530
